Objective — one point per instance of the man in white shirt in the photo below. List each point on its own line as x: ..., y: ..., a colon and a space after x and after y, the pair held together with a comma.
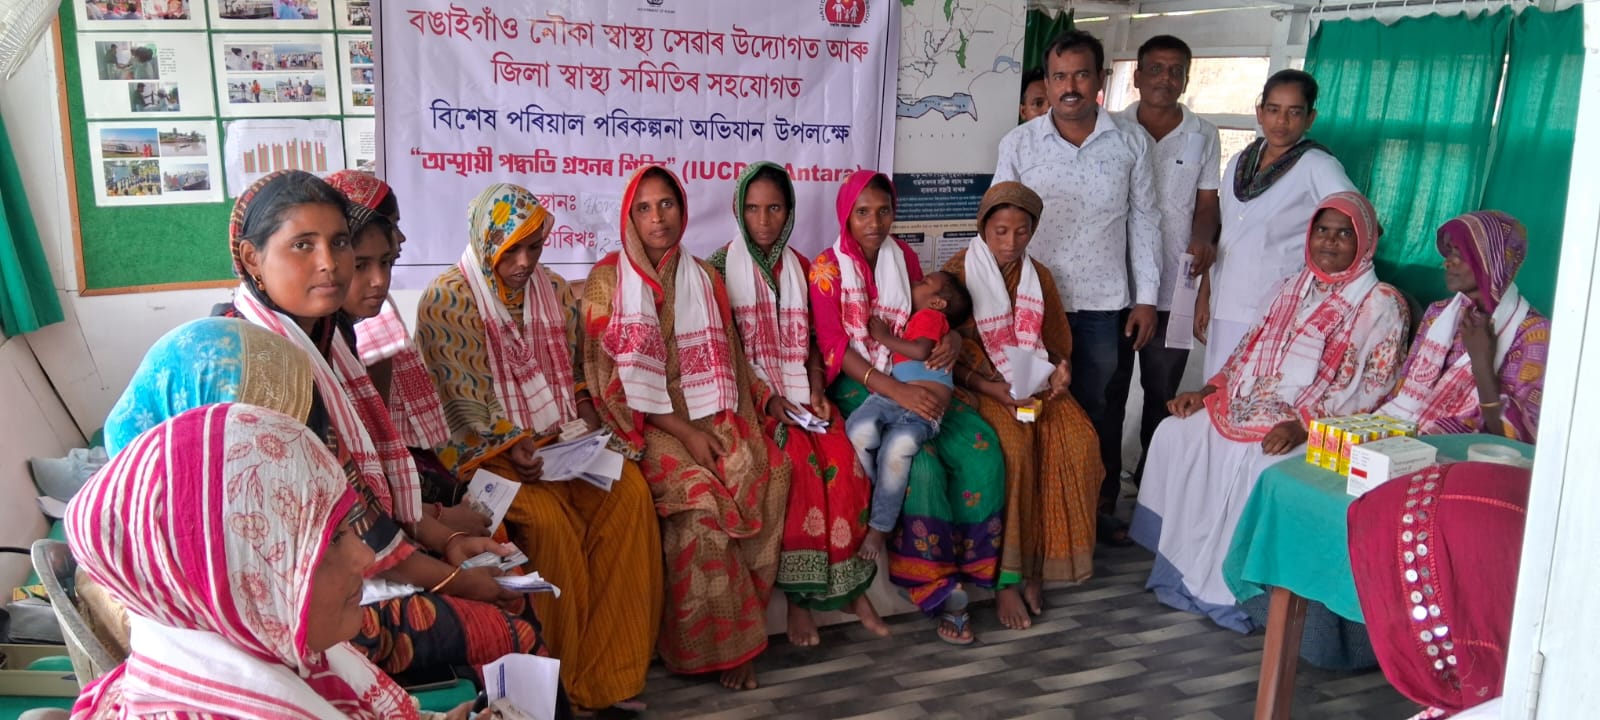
x: 1100, y: 234
x: 1188, y: 168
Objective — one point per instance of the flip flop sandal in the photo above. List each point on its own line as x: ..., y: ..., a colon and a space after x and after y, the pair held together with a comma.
x: 959, y: 621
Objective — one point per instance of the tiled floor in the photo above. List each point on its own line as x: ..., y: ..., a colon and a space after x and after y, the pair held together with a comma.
x: 1105, y: 649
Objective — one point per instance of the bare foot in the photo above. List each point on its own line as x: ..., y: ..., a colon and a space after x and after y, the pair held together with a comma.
x: 802, y: 627
x: 740, y: 678
x: 872, y: 545
x: 1033, y: 595
x: 862, y: 608
x: 1013, y: 614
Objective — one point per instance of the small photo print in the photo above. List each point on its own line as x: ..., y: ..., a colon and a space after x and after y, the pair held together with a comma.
x: 136, y: 10
x: 132, y: 178
x: 153, y: 97
x: 360, y: 52
x: 124, y: 60
x: 252, y: 90
x: 269, y: 9
x: 129, y: 143
x: 362, y: 97
x: 185, y: 177
x: 358, y: 13
x: 177, y: 143
x: 361, y: 76
x: 302, y: 89
x: 123, y: 15
x: 298, y: 56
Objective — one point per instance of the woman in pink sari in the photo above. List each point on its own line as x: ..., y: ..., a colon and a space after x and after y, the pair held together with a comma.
x: 240, y: 571
x: 951, y: 524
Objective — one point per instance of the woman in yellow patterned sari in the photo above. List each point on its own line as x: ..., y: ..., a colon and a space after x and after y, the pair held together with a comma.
x: 501, y: 338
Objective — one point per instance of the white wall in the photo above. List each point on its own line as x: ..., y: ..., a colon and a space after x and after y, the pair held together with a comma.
x: 90, y: 357
x: 33, y: 424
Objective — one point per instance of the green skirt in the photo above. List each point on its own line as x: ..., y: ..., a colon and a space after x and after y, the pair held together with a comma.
x: 951, y: 524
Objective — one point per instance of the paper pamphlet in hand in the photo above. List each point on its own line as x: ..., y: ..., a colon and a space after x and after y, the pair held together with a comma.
x: 1029, y: 372
x: 528, y: 682
x: 529, y: 583
x: 808, y: 422
x: 1180, y: 323
x: 491, y: 495
x: 487, y: 559
x: 584, y: 458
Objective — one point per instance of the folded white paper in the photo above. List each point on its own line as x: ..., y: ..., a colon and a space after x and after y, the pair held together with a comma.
x: 377, y: 590
x: 491, y: 495
x: 808, y: 422
x: 529, y: 583
x: 1029, y: 372
x: 528, y: 682
x: 584, y: 458
x: 1180, y: 322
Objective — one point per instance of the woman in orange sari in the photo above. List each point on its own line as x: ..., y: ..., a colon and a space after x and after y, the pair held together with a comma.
x: 662, y: 356
x: 1053, y: 468
x: 500, y: 336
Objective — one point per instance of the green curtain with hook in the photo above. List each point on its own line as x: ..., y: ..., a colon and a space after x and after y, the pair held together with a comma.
x: 1533, y: 149
x: 27, y: 293
x: 1409, y: 110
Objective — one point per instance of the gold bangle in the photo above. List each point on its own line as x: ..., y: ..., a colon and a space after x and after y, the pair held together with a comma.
x: 446, y: 546
x: 866, y: 379
x: 446, y: 580
x: 584, y: 399
x: 1489, y: 405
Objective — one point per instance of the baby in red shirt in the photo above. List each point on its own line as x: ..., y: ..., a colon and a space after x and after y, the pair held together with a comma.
x: 886, y: 436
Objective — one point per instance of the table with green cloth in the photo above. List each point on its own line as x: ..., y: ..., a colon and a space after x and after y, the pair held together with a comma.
x: 1291, y: 540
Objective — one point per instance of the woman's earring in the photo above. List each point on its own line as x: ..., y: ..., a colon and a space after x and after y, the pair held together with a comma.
x: 257, y: 278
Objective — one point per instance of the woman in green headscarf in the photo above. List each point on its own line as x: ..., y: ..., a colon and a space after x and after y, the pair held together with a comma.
x: 820, y: 567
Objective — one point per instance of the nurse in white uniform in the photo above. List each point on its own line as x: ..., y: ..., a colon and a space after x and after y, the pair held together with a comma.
x: 1270, y: 189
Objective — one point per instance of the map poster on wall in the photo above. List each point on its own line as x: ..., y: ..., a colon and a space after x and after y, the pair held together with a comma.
x: 276, y: 75
x: 290, y: 15
x: 960, y: 64
x: 255, y: 148
x: 361, y: 144
x: 154, y: 163
x: 125, y: 15
x: 357, y: 73
x: 353, y: 14
x: 145, y: 75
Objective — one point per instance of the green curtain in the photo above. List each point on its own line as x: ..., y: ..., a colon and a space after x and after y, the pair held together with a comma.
x: 1408, y: 109
x: 1533, y: 149
x: 1041, y: 29
x: 27, y: 293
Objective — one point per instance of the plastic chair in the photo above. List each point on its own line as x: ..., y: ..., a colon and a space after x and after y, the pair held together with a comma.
x: 53, y: 561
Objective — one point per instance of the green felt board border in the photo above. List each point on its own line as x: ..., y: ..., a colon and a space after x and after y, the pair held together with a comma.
x: 160, y: 247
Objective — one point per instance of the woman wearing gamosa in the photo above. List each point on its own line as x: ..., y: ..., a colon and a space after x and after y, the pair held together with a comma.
x: 1329, y: 345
